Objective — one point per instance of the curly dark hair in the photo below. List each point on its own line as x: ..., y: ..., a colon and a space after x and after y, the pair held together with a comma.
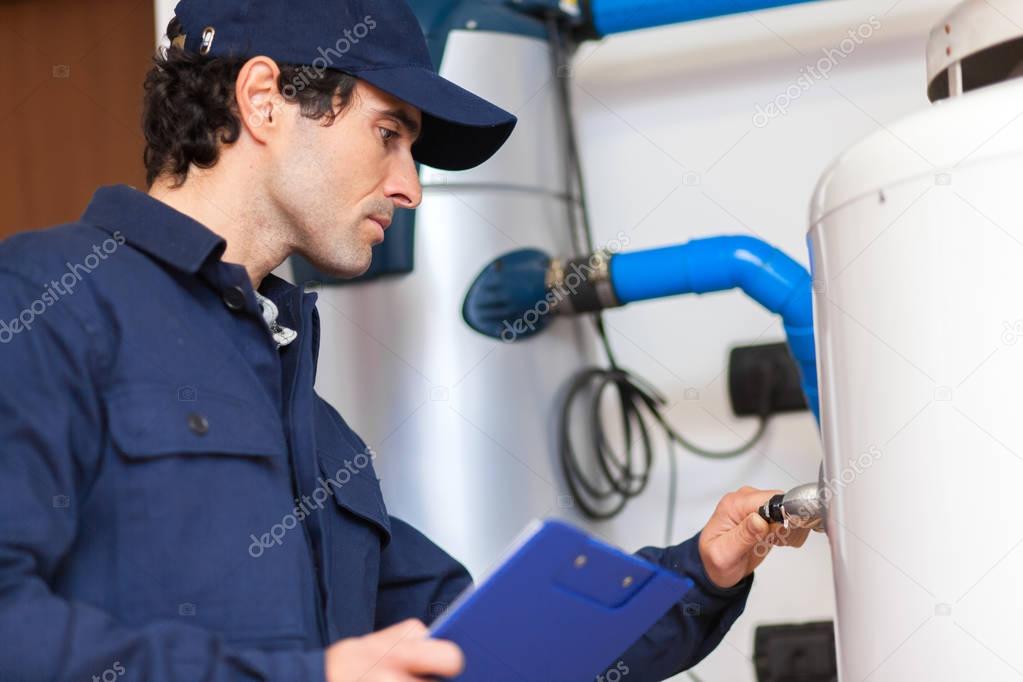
x: 189, y: 109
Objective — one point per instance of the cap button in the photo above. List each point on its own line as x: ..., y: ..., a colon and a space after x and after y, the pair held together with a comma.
x: 207, y: 40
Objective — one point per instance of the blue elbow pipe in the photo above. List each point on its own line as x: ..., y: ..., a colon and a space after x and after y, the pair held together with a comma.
x: 618, y: 16
x: 767, y: 275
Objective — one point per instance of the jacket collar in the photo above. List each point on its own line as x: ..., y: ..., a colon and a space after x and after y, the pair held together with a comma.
x: 153, y: 227
x: 171, y: 237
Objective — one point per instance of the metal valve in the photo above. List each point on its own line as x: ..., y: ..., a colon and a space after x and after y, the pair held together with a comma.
x: 800, y: 507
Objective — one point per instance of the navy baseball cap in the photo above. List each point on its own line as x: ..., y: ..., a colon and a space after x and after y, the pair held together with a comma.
x: 378, y: 41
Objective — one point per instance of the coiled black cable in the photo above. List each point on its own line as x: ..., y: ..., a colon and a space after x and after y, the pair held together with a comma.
x: 621, y: 474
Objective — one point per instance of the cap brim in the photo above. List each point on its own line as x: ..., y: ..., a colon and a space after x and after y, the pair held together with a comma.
x: 460, y: 130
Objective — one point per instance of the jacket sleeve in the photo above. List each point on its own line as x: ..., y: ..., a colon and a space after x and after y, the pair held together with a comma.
x: 51, y: 431
x: 417, y: 578
x: 692, y: 627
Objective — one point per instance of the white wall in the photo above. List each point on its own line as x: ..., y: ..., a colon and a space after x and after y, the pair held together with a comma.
x: 671, y: 152
x: 164, y: 12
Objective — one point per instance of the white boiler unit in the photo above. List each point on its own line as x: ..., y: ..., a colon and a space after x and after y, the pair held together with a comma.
x: 916, y: 246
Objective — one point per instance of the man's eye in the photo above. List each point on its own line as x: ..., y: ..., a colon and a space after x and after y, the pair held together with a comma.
x: 388, y: 134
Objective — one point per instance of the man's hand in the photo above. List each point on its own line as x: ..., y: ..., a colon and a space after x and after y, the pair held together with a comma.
x: 737, y: 539
x: 400, y: 653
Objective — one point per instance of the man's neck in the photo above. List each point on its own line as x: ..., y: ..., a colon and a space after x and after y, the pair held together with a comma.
x: 254, y: 238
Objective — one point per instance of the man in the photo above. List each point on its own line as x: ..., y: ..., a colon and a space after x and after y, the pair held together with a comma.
x: 176, y: 502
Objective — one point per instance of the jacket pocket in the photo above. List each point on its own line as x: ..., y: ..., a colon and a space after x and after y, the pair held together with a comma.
x: 153, y: 420
x: 197, y: 476
x: 356, y: 489
x: 356, y: 526
x: 346, y: 463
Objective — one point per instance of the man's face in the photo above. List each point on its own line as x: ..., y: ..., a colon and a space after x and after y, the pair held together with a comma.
x: 338, y: 185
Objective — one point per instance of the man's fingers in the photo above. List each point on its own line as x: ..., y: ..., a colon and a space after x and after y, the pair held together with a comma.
x: 416, y: 653
x: 752, y: 530
x: 411, y: 628
x: 793, y: 537
x: 433, y: 657
x: 727, y: 557
x: 734, y: 545
x: 399, y: 635
x: 746, y: 501
x: 400, y: 653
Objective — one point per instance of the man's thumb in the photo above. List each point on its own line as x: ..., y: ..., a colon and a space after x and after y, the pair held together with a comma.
x: 752, y: 531
x: 732, y: 556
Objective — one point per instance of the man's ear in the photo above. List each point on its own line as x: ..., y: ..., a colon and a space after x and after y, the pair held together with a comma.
x: 260, y: 104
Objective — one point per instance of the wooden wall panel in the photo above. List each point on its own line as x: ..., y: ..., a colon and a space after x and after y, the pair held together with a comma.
x: 71, y: 73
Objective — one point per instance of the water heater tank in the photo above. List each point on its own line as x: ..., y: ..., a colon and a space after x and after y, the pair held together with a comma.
x: 916, y: 244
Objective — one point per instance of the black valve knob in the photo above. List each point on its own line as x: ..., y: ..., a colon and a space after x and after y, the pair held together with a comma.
x: 771, y: 511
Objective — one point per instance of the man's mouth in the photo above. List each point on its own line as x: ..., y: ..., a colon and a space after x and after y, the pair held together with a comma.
x: 382, y: 221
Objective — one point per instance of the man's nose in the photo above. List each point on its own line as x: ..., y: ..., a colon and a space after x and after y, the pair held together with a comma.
x: 403, y: 186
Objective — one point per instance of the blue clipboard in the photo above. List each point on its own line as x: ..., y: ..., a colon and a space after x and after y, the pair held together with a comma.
x: 560, y: 607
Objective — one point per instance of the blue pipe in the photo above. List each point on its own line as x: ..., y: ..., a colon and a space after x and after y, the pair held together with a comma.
x: 767, y: 275
x: 617, y: 16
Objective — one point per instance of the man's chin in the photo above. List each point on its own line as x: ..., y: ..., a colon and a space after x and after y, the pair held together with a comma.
x: 347, y: 269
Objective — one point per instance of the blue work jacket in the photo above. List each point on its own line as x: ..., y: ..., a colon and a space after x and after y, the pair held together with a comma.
x: 177, y: 504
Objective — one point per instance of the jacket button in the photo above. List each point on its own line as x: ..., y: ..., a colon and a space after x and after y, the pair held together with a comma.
x: 234, y: 298
x: 198, y: 424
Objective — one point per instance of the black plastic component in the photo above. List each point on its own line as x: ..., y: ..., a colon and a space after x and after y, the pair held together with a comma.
x: 771, y: 512
x: 764, y: 380
x: 587, y: 29
x: 795, y: 653
x: 582, y: 293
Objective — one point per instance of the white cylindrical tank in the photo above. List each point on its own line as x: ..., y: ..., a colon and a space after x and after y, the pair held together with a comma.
x: 916, y: 244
